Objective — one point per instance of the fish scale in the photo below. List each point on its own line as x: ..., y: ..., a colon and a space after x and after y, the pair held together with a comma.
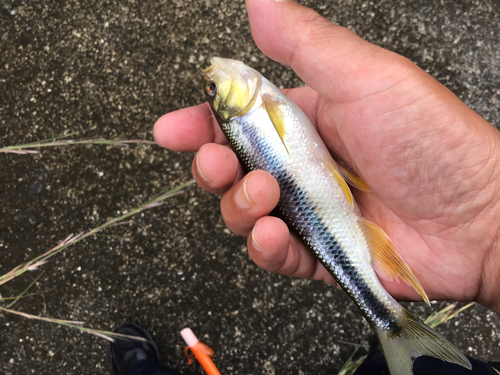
x: 269, y: 132
x: 308, y: 218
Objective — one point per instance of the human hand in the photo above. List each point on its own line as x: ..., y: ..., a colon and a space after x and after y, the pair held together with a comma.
x: 431, y: 162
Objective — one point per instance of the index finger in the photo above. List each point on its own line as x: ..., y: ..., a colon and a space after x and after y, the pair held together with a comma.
x: 188, y: 129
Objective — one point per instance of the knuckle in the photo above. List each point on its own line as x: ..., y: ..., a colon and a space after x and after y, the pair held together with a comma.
x: 315, y: 30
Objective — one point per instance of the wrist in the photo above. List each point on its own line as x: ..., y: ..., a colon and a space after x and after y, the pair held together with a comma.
x: 489, y: 285
x: 489, y: 288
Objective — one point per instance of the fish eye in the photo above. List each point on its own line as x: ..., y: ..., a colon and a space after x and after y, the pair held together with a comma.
x: 211, y: 89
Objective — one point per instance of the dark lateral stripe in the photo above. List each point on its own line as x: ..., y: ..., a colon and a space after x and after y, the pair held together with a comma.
x: 294, y: 209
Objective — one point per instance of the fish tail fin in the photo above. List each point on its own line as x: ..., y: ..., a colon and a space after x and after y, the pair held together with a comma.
x: 411, y: 339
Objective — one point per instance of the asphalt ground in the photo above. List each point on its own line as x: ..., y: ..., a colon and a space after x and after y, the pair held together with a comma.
x: 109, y: 69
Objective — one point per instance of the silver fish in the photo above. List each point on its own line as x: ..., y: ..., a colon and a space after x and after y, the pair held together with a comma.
x: 268, y: 131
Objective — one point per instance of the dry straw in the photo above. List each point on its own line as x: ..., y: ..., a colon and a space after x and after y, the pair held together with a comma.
x: 40, y: 260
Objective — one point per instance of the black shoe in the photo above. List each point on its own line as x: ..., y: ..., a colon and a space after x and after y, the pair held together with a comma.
x: 126, y: 353
x: 375, y: 350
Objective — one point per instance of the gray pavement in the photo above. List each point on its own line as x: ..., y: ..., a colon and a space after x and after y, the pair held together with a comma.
x: 108, y: 68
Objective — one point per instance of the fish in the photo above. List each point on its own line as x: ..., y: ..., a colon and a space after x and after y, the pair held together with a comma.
x: 267, y: 131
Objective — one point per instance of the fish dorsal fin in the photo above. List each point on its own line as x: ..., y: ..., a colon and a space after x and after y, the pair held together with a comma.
x: 353, y: 179
x: 386, y: 259
x: 333, y: 170
x: 272, y: 107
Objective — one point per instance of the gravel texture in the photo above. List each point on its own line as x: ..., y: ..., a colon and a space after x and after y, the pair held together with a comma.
x: 109, y: 68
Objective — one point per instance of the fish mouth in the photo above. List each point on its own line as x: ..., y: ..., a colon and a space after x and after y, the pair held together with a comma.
x: 237, y: 85
x: 216, y: 63
x: 204, y: 73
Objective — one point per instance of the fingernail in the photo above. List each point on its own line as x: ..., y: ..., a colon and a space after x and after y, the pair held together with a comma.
x: 281, y: 1
x: 241, y: 198
x: 255, y: 242
x: 198, y: 169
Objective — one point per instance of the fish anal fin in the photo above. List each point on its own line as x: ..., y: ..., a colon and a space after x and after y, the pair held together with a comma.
x: 275, y: 114
x: 386, y: 259
x: 353, y: 179
x: 333, y: 170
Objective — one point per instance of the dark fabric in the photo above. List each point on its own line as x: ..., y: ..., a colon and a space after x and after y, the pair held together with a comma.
x: 127, y: 353
x: 427, y: 366
x: 495, y: 365
x: 150, y: 368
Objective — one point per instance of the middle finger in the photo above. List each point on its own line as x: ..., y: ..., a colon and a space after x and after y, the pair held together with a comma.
x: 253, y: 197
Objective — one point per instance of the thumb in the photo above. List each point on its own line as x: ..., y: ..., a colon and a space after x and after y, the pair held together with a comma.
x: 329, y: 58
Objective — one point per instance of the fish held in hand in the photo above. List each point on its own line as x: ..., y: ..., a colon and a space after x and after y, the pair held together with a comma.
x: 268, y: 131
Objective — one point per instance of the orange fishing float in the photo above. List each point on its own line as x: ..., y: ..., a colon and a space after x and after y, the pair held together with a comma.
x: 202, y: 352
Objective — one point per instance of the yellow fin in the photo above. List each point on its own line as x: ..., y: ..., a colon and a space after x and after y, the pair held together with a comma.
x: 386, y: 259
x: 276, y: 116
x: 353, y: 179
x: 341, y: 181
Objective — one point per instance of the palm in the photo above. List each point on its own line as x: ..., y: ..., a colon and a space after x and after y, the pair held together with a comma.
x: 430, y: 161
x: 419, y: 170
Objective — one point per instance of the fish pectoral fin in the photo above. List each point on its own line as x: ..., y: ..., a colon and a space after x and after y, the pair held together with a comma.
x: 335, y: 173
x: 386, y: 259
x: 353, y: 179
x: 276, y: 116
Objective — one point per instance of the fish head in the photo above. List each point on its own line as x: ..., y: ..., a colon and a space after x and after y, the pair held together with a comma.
x: 231, y: 87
